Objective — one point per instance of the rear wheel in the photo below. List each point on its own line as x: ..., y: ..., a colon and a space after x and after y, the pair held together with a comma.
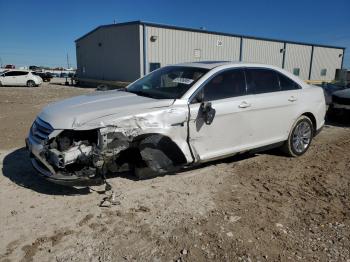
x: 30, y: 83
x: 300, y: 137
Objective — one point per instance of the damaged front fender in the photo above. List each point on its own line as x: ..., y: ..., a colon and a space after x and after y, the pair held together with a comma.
x: 155, y: 140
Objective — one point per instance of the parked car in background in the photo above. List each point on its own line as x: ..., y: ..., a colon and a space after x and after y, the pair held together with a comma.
x: 329, y: 89
x: 175, y: 117
x: 63, y: 75
x: 10, y: 67
x: 19, y: 78
x: 55, y: 75
x: 45, y: 76
x: 34, y: 68
x: 341, y: 99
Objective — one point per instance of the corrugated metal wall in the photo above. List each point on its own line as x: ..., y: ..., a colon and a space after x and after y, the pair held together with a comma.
x: 265, y: 52
x: 110, y: 53
x: 325, y: 58
x: 298, y: 56
x: 116, y: 52
x: 177, y: 46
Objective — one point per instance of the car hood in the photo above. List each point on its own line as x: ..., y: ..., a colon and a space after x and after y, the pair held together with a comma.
x: 76, y: 112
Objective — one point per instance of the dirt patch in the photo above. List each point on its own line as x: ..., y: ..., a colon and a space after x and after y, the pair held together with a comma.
x: 31, y: 250
x: 20, y: 105
x: 85, y: 220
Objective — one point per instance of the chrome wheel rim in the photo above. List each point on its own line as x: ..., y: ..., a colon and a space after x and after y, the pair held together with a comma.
x: 302, y: 137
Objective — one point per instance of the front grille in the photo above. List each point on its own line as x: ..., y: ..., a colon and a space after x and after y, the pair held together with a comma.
x: 40, y: 130
x: 340, y: 100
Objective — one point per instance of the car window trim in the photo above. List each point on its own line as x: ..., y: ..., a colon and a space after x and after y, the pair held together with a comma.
x: 276, y: 75
x: 244, y: 68
x: 279, y: 81
x: 199, y: 89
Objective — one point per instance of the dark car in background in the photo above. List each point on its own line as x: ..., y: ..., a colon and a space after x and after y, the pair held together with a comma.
x: 46, y: 76
x: 341, y: 99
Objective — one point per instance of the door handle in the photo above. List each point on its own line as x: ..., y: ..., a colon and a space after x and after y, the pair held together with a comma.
x: 244, y: 104
x: 292, y: 99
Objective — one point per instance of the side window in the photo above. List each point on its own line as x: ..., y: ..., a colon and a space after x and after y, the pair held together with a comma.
x: 262, y: 81
x: 12, y: 73
x: 22, y: 73
x: 225, y: 85
x: 286, y: 83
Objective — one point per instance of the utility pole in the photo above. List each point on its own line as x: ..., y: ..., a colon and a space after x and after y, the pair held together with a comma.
x: 0, y: 62
x: 67, y: 61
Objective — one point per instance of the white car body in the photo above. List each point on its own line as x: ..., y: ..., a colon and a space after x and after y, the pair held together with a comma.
x: 19, y: 78
x: 241, y: 123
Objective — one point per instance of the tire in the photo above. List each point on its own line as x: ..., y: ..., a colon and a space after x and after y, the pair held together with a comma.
x: 155, y: 160
x: 300, y: 137
x: 30, y: 83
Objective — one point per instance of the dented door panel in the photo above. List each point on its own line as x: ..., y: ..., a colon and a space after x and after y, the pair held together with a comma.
x: 230, y: 130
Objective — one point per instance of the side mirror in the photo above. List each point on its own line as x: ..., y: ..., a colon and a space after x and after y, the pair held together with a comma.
x: 208, y: 112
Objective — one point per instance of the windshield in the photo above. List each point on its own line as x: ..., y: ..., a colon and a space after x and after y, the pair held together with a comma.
x: 169, y: 82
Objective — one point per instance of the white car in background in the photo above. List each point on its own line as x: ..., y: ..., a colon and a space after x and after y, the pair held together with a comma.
x: 19, y: 78
x: 175, y: 117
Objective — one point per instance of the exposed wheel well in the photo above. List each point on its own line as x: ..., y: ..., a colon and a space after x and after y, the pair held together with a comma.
x: 168, y: 146
x: 313, y: 120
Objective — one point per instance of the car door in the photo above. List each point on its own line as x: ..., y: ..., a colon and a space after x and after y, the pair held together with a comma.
x: 22, y: 78
x: 25, y: 78
x: 230, y: 130
x: 273, y: 101
x: 9, y: 78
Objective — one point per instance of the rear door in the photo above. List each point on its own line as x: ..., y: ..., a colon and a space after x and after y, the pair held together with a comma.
x: 273, y: 100
x: 22, y: 78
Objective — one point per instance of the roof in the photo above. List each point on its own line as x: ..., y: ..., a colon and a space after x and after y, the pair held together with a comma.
x: 204, y: 31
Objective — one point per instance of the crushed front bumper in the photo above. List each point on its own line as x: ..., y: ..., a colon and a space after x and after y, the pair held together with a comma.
x: 46, y: 171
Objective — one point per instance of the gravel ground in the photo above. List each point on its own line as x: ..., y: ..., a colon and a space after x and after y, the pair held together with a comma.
x: 262, y: 207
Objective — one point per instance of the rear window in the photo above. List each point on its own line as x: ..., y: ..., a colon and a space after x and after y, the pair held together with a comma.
x: 287, y: 84
x: 262, y: 81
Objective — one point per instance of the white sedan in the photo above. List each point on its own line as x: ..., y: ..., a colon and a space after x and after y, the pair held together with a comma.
x: 19, y: 78
x: 175, y: 117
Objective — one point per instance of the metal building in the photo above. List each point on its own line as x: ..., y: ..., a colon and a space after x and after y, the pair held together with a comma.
x: 126, y: 51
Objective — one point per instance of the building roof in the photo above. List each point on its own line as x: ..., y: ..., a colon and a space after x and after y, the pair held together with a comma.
x: 213, y: 64
x: 207, y: 64
x: 204, y: 31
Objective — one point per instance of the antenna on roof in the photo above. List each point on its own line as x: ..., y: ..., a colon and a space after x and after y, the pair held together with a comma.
x: 114, y: 21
